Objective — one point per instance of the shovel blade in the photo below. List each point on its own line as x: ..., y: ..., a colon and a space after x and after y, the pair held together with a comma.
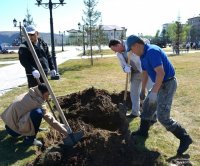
x: 73, y: 138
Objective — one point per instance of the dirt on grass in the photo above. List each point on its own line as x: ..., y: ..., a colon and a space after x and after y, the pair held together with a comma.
x: 106, y: 134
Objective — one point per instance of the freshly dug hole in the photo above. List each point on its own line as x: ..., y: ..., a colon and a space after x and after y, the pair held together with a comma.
x: 105, y: 128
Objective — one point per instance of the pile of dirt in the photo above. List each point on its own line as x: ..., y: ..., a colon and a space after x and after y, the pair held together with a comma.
x: 105, y: 141
x: 97, y: 108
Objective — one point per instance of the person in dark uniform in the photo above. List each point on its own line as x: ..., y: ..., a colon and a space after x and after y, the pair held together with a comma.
x: 28, y: 62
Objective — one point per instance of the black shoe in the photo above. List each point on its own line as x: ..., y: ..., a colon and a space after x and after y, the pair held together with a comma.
x: 131, y: 116
x: 143, y: 130
x: 185, y: 139
x: 184, y: 144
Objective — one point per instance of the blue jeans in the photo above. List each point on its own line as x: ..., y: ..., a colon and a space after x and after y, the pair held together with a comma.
x: 36, y: 118
x: 163, y: 109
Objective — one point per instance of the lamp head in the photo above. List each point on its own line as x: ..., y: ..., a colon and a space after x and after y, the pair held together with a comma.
x: 24, y: 22
x: 62, y: 1
x: 15, y: 22
x: 39, y: 2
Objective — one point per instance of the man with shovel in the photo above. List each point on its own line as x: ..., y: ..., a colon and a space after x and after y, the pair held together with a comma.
x: 134, y: 68
x: 24, y: 115
x: 156, y: 64
x: 27, y: 61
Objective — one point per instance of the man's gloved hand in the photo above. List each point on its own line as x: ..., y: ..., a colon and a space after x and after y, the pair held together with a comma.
x: 152, y: 98
x: 36, y: 74
x: 142, y: 95
x: 53, y: 73
x: 127, y: 69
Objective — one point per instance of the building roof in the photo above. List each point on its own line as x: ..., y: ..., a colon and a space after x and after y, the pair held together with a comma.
x: 112, y: 27
x: 194, y: 17
x: 73, y: 31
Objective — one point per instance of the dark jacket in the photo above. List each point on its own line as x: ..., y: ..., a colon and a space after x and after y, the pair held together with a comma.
x: 42, y: 51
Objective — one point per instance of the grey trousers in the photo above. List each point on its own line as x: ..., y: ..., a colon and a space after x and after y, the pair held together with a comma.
x: 135, y: 89
x: 163, y: 107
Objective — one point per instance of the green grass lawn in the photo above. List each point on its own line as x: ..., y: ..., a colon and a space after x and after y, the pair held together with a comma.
x: 13, y: 57
x: 97, y: 52
x: 8, y: 57
x: 76, y: 75
x: 2, y: 65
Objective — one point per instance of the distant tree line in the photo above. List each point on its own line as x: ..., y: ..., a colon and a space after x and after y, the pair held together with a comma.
x: 174, y: 34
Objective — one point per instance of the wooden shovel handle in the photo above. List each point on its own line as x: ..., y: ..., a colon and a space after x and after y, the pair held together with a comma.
x: 127, y: 76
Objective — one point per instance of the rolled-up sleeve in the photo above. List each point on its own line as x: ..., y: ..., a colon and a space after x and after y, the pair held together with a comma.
x: 121, y: 60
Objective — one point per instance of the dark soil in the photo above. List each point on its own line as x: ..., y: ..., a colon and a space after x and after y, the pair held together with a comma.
x: 105, y: 141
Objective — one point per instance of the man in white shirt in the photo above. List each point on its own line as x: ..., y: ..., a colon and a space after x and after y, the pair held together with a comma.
x: 135, y: 69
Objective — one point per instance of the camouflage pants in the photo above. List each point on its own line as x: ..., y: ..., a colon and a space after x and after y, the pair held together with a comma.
x: 162, y: 110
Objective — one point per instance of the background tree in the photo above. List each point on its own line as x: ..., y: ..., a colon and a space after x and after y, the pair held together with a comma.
x: 29, y: 18
x: 165, y: 36
x: 99, y: 37
x: 91, y: 18
x: 171, y: 30
x: 186, y: 33
x: 178, y: 34
x: 157, y: 33
x: 158, y: 40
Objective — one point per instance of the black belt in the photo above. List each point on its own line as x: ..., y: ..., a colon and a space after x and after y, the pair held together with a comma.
x: 169, y: 79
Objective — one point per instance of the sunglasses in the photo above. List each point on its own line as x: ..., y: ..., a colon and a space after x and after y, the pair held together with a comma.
x: 31, y: 34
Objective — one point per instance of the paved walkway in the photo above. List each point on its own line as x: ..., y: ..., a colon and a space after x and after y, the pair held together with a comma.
x: 14, y: 75
x: 8, y: 62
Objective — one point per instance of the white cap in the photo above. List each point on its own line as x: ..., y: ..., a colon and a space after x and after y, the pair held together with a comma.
x: 31, y: 29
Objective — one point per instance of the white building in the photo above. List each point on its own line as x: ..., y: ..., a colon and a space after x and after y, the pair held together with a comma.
x: 194, y: 22
x: 75, y: 37
x: 166, y: 25
x: 114, y: 31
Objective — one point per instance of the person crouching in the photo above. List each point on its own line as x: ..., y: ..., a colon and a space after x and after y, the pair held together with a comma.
x: 23, y: 117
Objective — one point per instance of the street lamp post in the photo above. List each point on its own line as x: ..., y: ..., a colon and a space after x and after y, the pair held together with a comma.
x: 20, y: 26
x: 62, y: 36
x: 83, y: 33
x: 114, y: 32
x: 51, y: 6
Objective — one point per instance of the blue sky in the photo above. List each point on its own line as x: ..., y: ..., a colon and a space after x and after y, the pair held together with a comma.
x: 141, y: 16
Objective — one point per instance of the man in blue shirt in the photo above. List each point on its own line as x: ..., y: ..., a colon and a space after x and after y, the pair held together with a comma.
x: 157, y: 66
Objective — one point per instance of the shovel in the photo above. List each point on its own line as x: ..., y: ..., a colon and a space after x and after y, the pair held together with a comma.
x: 72, y: 138
x: 122, y: 106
